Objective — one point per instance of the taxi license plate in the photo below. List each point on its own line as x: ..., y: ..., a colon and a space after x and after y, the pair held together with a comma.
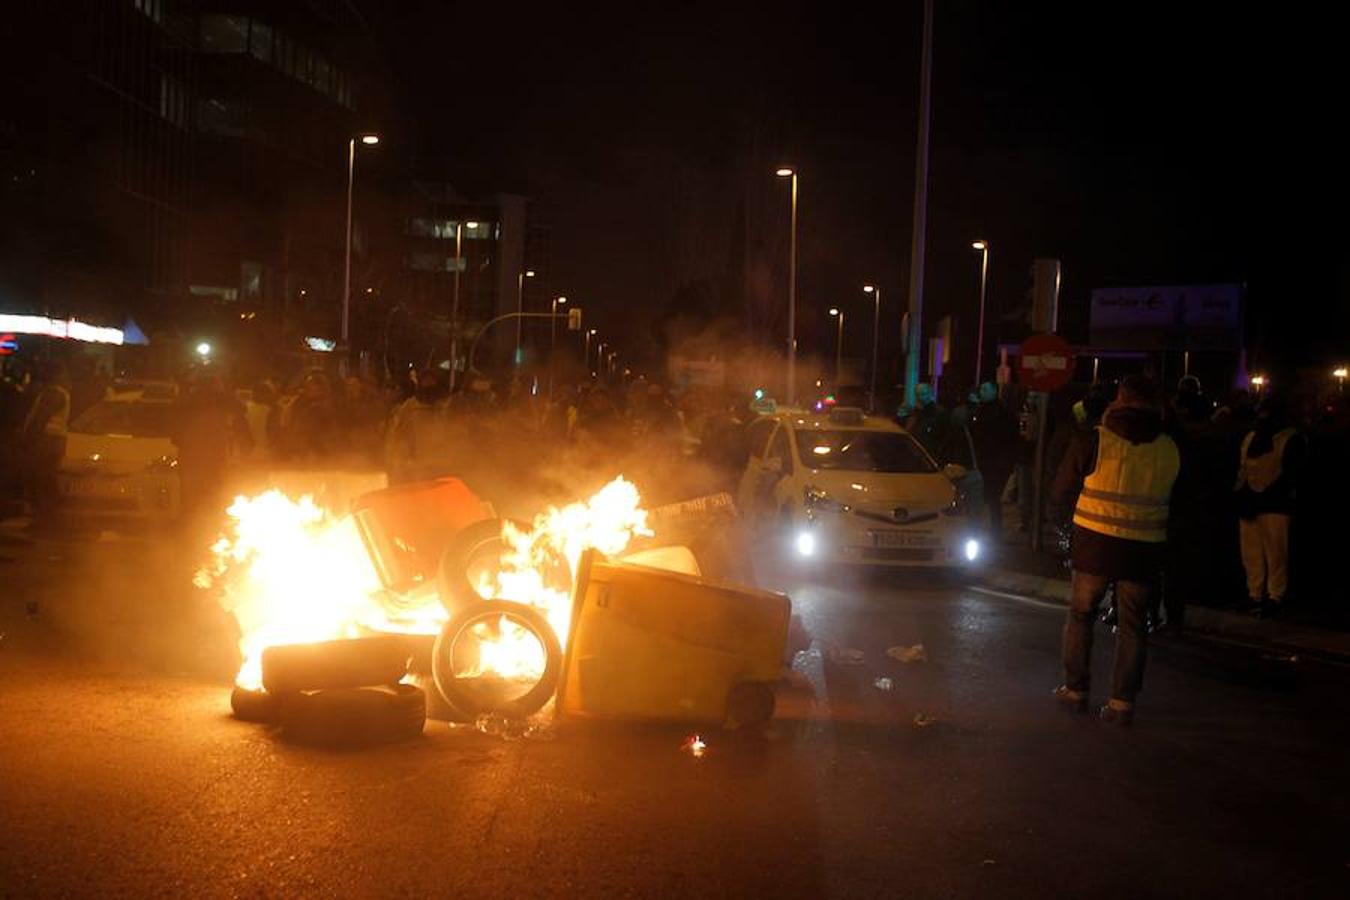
x: 902, y: 539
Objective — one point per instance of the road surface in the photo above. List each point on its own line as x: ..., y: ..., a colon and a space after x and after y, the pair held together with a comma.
x: 122, y: 773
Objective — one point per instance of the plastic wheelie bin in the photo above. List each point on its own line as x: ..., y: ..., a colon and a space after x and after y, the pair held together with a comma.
x: 653, y: 644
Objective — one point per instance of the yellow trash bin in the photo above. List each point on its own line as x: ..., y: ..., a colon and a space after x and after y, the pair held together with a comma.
x: 652, y: 644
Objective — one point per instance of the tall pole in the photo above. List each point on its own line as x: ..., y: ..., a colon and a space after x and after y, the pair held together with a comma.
x: 347, y: 266
x: 916, y: 250
x: 586, y: 359
x: 520, y: 308
x: 839, y: 351
x: 792, y: 301
x: 983, y: 247
x: 553, y: 341
x: 454, y: 310
x: 875, y: 291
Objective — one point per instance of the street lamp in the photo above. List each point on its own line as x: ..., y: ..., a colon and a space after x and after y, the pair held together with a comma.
x: 369, y: 140
x: 1258, y: 382
x: 553, y: 340
x: 204, y: 350
x: 788, y: 172
x: 520, y: 306
x: 586, y: 361
x: 838, y: 345
x: 1339, y: 374
x: 875, y: 291
x: 454, y: 312
x: 983, y: 247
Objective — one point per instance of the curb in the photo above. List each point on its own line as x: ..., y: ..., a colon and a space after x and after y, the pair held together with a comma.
x: 1202, y: 621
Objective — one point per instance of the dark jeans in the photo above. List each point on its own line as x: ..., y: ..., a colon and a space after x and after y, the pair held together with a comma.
x: 1132, y: 603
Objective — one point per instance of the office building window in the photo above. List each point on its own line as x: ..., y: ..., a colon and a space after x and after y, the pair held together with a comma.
x: 260, y: 40
x: 444, y: 229
x: 151, y: 9
x: 173, y: 101
x: 224, y: 34
x: 434, y: 262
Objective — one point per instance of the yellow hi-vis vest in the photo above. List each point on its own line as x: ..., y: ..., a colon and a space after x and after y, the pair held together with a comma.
x: 1260, y: 472
x: 1126, y: 494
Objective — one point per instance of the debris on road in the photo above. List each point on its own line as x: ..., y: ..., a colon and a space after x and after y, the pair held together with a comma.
x: 883, y: 684
x: 846, y: 656
x: 923, y: 720
x: 695, y: 746
x: 915, y: 653
x: 507, y: 728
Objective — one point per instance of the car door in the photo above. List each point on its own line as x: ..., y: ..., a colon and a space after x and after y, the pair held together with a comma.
x: 750, y: 488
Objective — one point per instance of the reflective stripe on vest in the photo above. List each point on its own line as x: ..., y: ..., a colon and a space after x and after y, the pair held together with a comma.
x: 1126, y: 494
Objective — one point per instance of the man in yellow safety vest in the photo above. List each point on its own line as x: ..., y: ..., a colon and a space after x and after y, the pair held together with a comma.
x: 1122, y: 473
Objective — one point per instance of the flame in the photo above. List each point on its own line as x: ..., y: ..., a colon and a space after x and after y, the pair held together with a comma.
x: 292, y: 572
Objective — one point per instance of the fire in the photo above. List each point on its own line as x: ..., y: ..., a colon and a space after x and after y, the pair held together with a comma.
x: 293, y: 572
x: 540, y: 564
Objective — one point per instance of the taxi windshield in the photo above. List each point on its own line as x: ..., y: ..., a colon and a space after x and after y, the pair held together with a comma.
x: 862, y: 451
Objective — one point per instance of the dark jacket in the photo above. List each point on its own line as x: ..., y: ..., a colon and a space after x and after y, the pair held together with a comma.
x: 1093, y: 552
x: 993, y: 428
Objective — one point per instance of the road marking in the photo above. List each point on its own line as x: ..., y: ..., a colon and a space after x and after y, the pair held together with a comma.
x: 1032, y: 601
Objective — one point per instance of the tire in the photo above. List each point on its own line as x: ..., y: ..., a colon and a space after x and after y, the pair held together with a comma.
x: 329, y: 665
x: 458, y: 691
x: 457, y: 590
x: 254, y: 706
x: 350, y: 717
x: 750, y: 704
x: 437, y: 706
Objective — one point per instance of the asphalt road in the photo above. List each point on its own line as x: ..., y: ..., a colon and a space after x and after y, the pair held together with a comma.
x: 123, y: 774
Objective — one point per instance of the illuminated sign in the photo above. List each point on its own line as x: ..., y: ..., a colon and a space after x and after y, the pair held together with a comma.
x: 322, y: 345
x: 70, y: 329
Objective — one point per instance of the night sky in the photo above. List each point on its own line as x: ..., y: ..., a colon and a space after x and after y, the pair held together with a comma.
x: 1140, y: 146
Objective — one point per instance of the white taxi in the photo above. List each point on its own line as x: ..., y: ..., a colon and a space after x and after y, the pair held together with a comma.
x: 843, y: 487
x: 120, y: 460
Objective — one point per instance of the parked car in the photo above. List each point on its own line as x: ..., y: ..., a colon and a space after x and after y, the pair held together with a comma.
x: 120, y: 460
x: 838, y: 486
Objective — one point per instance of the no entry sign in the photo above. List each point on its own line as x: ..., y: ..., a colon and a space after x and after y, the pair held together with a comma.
x: 1045, y: 363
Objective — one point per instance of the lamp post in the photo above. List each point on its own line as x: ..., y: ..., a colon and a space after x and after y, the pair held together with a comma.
x: 553, y: 340
x: 875, y: 291
x: 789, y: 172
x: 983, y: 247
x: 838, y: 345
x: 369, y: 140
x: 586, y: 361
x: 454, y: 311
x: 520, y: 306
x: 1339, y: 374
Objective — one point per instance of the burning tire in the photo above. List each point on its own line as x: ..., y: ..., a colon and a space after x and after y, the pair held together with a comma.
x: 254, y: 706
x: 497, y: 656
x: 473, y: 550
x: 354, y: 716
x: 327, y: 665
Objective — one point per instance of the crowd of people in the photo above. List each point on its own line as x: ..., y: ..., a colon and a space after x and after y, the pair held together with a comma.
x: 1261, y: 485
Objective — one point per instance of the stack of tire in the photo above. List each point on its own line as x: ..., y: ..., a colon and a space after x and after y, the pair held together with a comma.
x: 353, y: 692
x: 337, y: 693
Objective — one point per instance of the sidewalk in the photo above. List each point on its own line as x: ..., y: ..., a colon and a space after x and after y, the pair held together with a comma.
x: 1019, y: 570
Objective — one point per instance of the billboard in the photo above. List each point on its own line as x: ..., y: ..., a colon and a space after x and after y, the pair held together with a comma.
x: 1205, y: 316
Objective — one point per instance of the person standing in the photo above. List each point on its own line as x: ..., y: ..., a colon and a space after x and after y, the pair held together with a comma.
x: 993, y: 429
x: 1268, y: 464
x: 43, y: 439
x: 1123, y: 472
x: 930, y: 424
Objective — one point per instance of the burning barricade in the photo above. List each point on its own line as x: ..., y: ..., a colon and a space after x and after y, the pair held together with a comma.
x: 354, y: 627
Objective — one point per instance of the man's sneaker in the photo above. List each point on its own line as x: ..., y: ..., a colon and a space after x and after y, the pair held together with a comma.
x: 1074, y: 701
x: 1116, y: 713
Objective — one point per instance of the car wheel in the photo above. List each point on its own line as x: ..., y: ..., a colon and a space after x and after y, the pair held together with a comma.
x: 354, y: 716
x: 750, y: 704
x: 352, y: 663
x: 457, y: 660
